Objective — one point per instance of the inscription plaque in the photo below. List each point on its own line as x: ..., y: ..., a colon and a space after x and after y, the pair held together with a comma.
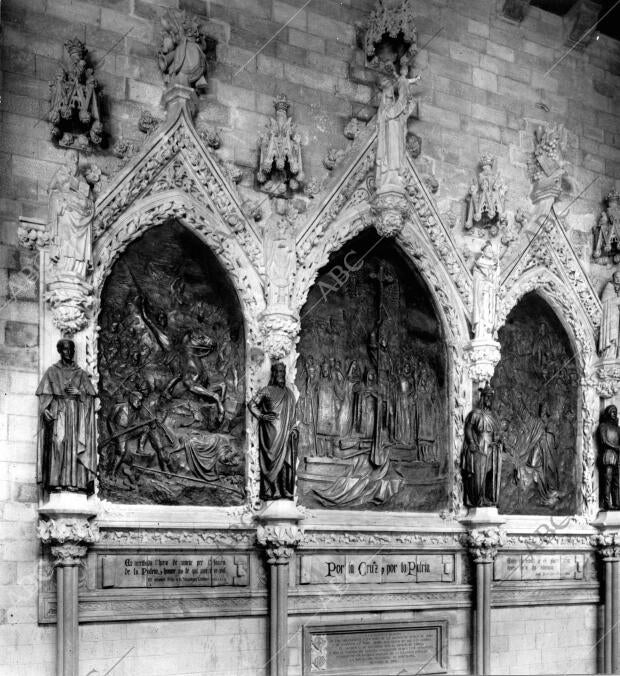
x: 376, y: 649
x: 174, y: 570
x: 377, y: 569
x: 538, y: 567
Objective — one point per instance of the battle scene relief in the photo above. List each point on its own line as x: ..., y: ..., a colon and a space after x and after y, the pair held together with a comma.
x: 536, y: 387
x: 372, y: 381
x: 171, y: 364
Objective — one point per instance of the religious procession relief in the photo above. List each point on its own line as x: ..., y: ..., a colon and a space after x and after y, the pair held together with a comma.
x: 371, y: 377
x: 535, y: 406
x: 171, y: 425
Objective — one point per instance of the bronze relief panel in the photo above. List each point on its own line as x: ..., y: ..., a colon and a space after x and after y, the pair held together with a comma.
x: 171, y: 364
x: 371, y: 376
x: 536, y: 387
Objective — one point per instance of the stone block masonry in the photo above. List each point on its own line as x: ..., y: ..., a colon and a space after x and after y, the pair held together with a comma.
x: 481, y: 79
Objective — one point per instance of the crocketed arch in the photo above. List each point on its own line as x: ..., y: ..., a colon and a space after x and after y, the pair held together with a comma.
x: 446, y: 300
x: 561, y: 299
x: 207, y: 226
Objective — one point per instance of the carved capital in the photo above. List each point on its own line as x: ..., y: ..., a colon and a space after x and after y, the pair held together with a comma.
x: 71, y: 301
x: 69, y: 554
x: 69, y: 538
x: 482, y: 357
x: 484, y: 543
x: 390, y: 210
x: 32, y: 234
x: 280, y: 328
x: 607, y: 544
x: 280, y: 541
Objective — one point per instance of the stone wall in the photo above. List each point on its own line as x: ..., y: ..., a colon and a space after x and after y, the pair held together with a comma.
x: 544, y: 640
x: 221, y: 647
x: 482, y: 89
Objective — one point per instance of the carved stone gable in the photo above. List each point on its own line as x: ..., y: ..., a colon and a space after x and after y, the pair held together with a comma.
x: 347, y: 210
x: 550, y: 252
x: 176, y: 158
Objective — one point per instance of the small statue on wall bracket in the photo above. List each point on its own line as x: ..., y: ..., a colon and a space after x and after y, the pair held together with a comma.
x: 486, y: 282
x: 396, y: 105
x: 74, y: 113
x: 481, y: 457
x: 67, y: 453
x: 607, y: 231
x: 546, y: 166
x: 487, y: 199
x: 71, y: 210
x: 280, y: 169
x: 274, y: 408
x: 609, y: 337
x: 609, y: 448
x: 183, y: 54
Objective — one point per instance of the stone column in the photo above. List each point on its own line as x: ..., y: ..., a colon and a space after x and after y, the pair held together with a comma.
x: 608, y: 544
x: 280, y: 536
x: 483, y: 544
x: 66, y: 527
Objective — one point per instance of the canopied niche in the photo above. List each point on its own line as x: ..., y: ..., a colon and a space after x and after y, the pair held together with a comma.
x: 172, y: 385
x: 372, y: 381
x: 536, y: 400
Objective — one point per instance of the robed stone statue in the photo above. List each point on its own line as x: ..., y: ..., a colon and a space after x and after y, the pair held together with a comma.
x: 609, y: 447
x: 481, y: 457
x: 274, y: 408
x: 609, y: 339
x: 66, y: 445
x: 70, y: 214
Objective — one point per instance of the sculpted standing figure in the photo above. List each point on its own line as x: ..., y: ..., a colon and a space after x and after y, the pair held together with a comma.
x: 70, y: 212
x: 486, y: 272
x: 66, y: 446
x: 609, y: 341
x: 609, y: 445
x: 395, y: 107
x: 481, y: 455
x: 274, y: 408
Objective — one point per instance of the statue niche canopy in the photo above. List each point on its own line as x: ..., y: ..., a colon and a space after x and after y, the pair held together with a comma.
x: 371, y: 376
x: 536, y: 388
x: 171, y: 361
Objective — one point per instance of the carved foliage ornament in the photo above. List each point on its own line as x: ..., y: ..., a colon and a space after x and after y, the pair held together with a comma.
x: 608, y: 544
x: 74, y: 113
x: 280, y: 542
x: 69, y: 539
x: 197, y: 172
x: 484, y: 543
x: 390, y: 33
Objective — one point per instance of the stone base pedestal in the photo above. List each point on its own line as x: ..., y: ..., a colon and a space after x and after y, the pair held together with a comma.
x: 608, y: 543
x: 482, y: 517
x: 66, y: 527
x: 280, y: 535
x: 484, y: 539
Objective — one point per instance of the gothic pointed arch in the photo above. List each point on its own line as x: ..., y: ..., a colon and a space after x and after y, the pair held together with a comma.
x: 175, y: 158
x: 176, y: 189
x: 541, y: 277
x: 348, y: 209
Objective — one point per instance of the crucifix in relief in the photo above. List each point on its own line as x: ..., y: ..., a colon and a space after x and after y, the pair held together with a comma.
x: 378, y: 351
